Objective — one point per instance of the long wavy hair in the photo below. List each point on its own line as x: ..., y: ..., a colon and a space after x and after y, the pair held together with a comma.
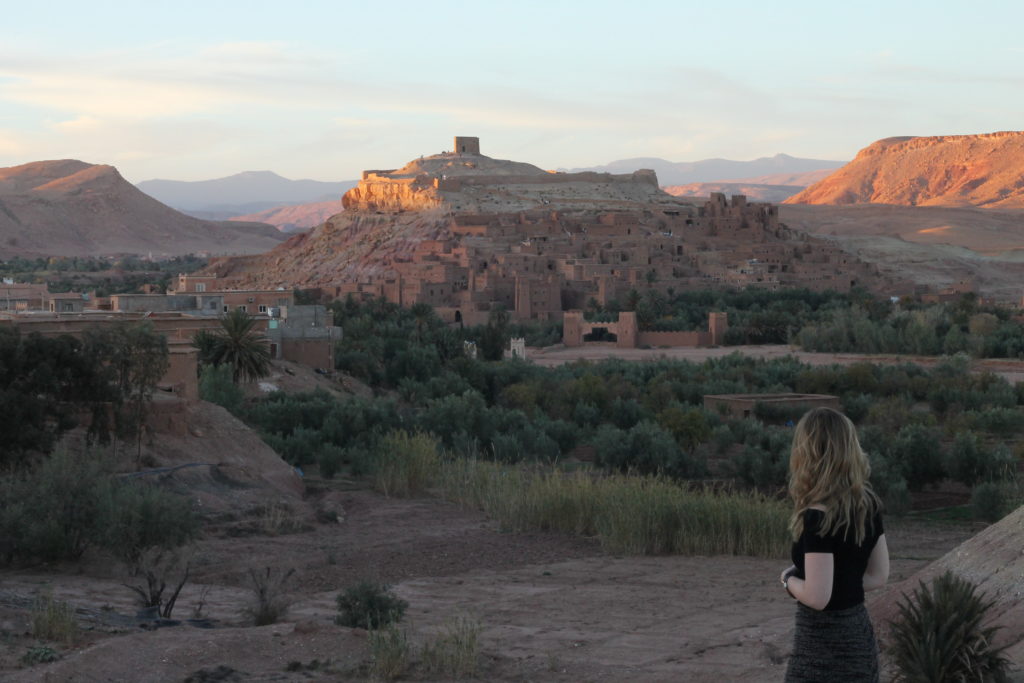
x: 827, y: 467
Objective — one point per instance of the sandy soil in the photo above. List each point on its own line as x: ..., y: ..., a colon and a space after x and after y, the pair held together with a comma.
x: 551, y: 607
x: 1011, y: 370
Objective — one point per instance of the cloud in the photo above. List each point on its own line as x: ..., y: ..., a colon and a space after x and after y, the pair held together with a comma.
x: 12, y: 144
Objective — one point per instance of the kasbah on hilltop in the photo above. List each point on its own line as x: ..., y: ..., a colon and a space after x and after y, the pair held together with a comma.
x: 465, y: 233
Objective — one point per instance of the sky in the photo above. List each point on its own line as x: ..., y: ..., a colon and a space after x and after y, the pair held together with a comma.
x: 198, y: 90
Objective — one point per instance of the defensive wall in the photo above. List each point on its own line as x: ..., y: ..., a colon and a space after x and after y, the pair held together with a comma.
x: 575, y: 328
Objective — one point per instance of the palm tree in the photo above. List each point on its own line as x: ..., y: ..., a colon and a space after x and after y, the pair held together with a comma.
x: 240, y: 345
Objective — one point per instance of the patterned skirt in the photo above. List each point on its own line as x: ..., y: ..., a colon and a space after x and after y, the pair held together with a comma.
x: 833, y: 646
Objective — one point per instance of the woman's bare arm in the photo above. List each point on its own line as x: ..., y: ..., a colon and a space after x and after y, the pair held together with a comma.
x: 816, y: 589
x: 877, y: 573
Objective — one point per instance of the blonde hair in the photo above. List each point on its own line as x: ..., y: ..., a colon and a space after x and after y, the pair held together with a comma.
x: 827, y: 467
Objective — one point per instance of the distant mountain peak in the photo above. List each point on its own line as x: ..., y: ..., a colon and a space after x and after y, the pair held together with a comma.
x: 716, y: 170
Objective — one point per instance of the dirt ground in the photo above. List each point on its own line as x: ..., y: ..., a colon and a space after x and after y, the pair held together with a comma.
x: 1011, y: 370
x: 552, y: 607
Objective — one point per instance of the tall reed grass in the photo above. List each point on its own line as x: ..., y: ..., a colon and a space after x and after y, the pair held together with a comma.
x: 637, y: 515
x: 630, y: 514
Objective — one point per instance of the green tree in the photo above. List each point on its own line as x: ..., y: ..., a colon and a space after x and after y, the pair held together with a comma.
x: 239, y: 345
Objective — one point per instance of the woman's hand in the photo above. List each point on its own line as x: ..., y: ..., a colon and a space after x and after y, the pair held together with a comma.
x: 786, y: 573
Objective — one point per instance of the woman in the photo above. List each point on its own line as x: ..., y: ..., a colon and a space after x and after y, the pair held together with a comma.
x: 838, y: 553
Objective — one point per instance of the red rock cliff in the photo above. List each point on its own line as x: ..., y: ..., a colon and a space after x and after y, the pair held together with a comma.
x: 952, y: 170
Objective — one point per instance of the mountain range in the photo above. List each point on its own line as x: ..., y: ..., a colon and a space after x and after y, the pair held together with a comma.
x: 242, y: 193
x: 70, y: 208
x: 718, y: 170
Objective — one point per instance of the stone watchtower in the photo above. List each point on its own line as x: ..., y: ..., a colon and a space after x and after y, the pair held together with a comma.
x: 467, y: 145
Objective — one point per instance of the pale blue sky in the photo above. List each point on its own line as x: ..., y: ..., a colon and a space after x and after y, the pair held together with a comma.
x: 194, y: 90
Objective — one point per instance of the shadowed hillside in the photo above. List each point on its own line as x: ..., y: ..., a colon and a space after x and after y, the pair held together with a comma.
x: 69, y: 207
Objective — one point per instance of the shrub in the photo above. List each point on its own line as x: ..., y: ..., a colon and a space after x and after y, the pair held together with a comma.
x: 133, y: 517
x: 39, y: 654
x: 269, y: 599
x: 369, y: 605
x: 455, y: 651
x: 389, y: 653
x: 53, y: 620
x: 330, y: 459
x: 50, y: 512
x: 939, y: 634
x: 404, y: 464
x: 216, y: 385
x: 759, y: 468
x: 917, y: 454
x: 990, y: 501
x: 970, y: 462
x: 155, y: 567
x: 889, y: 484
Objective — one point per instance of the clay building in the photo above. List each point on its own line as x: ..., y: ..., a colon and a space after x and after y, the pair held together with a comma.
x: 16, y: 296
x: 181, y: 378
x: 304, y: 335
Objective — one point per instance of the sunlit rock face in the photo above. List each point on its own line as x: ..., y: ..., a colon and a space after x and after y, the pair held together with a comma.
x: 949, y: 170
x: 474, y: 183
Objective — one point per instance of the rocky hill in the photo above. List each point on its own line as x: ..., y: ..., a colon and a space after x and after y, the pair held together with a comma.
x: 464, y: 232
x: 296, y: 217
x: 69, y: 207
x: 953, y: 170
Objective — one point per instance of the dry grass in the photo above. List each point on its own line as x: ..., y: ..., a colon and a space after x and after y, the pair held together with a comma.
x: 405, y: 464
x: 389, y: 652
x: 629, y: 514
x: 54, y: 620
x: 455, y: 651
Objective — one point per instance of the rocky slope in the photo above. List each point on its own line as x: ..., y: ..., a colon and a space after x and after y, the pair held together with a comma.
x: 993, y: 561
x: 69, y: 207
x: 953, y: 170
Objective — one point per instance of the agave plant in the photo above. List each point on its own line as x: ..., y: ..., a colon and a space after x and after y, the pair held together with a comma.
x: 939, y: 635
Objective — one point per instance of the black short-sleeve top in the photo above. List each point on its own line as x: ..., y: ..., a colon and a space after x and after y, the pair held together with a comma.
x: 849, y: 559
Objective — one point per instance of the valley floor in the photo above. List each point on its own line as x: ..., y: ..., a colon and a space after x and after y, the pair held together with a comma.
x: 551, y: 607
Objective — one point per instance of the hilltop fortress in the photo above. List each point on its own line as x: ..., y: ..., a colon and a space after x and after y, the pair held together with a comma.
x: 463, y: 232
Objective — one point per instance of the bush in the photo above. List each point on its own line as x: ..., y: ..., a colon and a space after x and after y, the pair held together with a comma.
x: 759, y: 468
x: 50, y: 512
x: 938, y: 635
x: 970, y: 462
x: 369, y: 605
x: 217, y: 385
x: 990, y: 501
x: 269, y: 599
x: 917, y: 454
x: 133, y: 517
x: 330, y: 460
